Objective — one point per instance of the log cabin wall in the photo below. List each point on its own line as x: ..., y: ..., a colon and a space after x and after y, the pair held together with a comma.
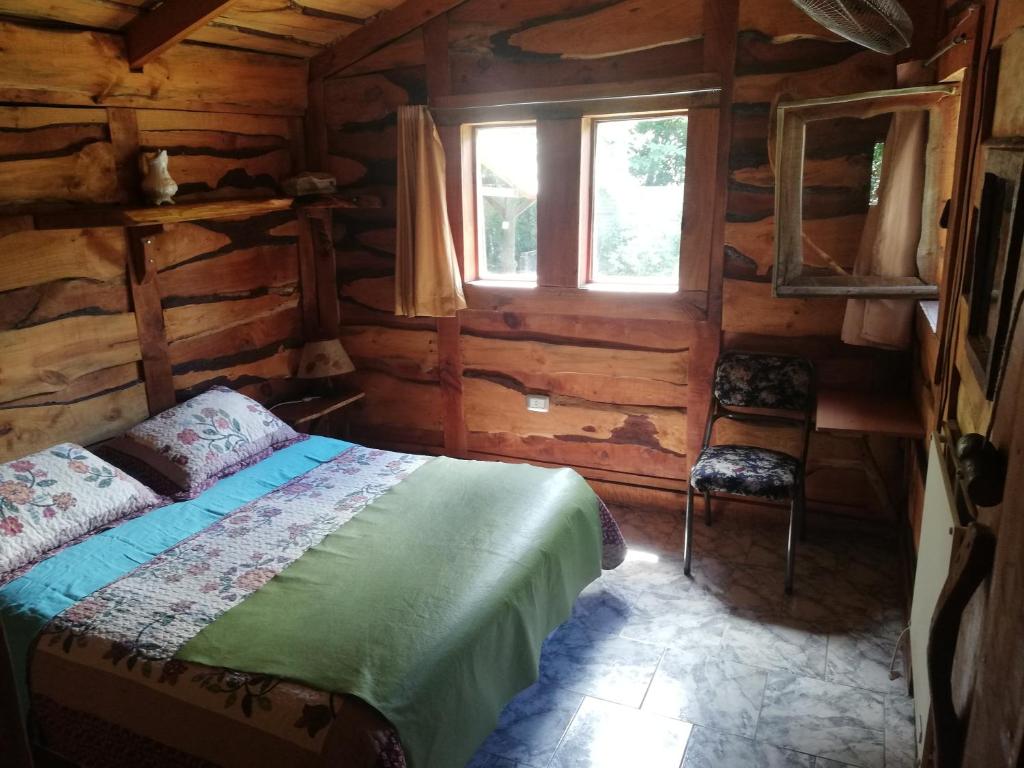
x: 782, y: 54
x: 628, y: 388
x: 617, y: 379
x: 227, y: 292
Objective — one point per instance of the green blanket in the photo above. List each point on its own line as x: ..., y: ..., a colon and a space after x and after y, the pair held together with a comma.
x: 431, y: 604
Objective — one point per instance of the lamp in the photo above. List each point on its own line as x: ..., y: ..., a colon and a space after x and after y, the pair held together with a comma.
x: 323, y: 359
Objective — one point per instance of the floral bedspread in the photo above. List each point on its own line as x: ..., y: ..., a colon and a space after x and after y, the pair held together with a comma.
x: 104, y: 672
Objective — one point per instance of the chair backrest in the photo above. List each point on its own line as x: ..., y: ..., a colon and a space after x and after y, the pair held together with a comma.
x: 751, y: 380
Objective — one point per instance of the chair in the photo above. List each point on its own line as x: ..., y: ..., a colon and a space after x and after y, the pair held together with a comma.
x: 773, y: 391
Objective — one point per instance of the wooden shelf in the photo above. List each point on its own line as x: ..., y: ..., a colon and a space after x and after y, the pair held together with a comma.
x: 867, y: 413
x: 302, y: 412
x: 182, y: 212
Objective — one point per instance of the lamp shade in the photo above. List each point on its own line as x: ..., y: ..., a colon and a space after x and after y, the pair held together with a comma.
x: 321, y: 359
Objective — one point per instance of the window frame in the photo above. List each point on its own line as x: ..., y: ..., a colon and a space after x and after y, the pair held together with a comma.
x: 479, y: 248
x: 627, y: 285
x: 563, y: 115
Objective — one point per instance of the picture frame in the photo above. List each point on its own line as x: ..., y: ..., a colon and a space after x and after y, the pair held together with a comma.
x: 995, y: 277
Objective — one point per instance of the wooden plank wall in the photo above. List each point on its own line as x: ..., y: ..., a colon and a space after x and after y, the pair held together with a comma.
x: 620, y: 385
x: 617, y: 380
x: 776, y: 60
x: 70, y: 358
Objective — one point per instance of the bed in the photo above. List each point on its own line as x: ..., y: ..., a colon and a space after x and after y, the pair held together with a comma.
x: 331, y: 605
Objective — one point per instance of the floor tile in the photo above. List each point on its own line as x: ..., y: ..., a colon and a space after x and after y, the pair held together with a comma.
x: 722, y: 660
x: 721, y: 540
x: 862, y: 659
x: 647, y: 572
x: 532, y: 724
x: 651, y: 529
x: 704, y: 690
x: 819, y: 718
x: 606, y: 735
x: 603, y: 607
x: 900, y: 738
x: 797, y: 648
x: 598, y: 664
x: 709, y: 748
x: 748, y: 588
x: 485, y: 760
x: 689, y: 619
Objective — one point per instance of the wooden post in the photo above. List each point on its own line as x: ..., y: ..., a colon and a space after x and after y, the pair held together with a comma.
x: 721, y: 20
x: 149, y: 318
x: 449, y: 347
x: 559, y: 210
x: 328, y: 311
x: 316, y: 127
x: 308, y: 276
x: 124, y: 138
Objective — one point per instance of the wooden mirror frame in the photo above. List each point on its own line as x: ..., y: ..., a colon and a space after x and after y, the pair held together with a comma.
x: 791, y: 121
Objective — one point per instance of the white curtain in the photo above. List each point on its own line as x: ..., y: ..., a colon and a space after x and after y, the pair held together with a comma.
x: 427, y: 278
x: 891, y: 235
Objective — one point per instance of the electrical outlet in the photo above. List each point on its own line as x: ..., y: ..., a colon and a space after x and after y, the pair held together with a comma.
x: 537, y: 403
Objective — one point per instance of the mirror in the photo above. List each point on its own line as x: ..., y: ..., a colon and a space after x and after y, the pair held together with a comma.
x: 861, y: 182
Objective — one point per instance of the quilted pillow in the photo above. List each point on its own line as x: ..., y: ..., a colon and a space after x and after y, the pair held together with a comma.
x: 56, y: 495
x: 196, y: 443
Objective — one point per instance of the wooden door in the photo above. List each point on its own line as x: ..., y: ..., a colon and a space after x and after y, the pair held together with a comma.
x: 990, y: 664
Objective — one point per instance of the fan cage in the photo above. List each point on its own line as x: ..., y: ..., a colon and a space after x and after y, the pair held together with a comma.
x: 881, y: 25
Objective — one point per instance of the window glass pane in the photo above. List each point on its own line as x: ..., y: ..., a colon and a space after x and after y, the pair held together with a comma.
x: 506, y: 206
x: 876, y: 171
x: 639, y: 165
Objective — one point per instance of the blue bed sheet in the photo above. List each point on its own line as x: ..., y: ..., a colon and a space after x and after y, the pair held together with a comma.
x: 29, y: 602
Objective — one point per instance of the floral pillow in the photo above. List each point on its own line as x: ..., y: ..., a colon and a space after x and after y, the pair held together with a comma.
x: 194, y: 444
x: 56, y: 495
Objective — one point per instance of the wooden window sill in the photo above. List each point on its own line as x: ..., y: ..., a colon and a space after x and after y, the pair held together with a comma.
x: 509, y: 297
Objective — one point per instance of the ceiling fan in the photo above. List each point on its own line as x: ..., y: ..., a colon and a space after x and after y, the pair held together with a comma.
x: 881, y: 25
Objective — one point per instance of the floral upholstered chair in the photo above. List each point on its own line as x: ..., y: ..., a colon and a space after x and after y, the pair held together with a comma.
x: 767, y: 390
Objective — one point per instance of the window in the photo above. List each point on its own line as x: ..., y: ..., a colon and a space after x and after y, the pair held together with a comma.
x: 639, y: 166
x: 876, y: 171
x: 570, y: 188
x: 506, y: 202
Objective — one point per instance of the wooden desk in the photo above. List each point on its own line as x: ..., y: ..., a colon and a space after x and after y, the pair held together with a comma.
x: 867, y: 413
x: 863, y: 415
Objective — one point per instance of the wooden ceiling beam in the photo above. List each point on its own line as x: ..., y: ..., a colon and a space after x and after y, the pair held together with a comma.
x: 150, y: 34
x: 386, y: 28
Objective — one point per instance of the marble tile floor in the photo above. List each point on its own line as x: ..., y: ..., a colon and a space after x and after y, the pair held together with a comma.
x: 723, y: 670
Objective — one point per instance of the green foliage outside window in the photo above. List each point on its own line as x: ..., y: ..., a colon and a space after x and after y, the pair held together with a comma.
x: 876, y: 171
x: 640, y: 166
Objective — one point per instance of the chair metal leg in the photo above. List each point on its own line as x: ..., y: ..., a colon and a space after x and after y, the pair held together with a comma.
x: 707, y: 508
x: 803, y: 513
x: 688, y: 531
x: 791, y: 544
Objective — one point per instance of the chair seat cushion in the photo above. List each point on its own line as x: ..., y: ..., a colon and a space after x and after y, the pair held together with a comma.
x: 745, y: 471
